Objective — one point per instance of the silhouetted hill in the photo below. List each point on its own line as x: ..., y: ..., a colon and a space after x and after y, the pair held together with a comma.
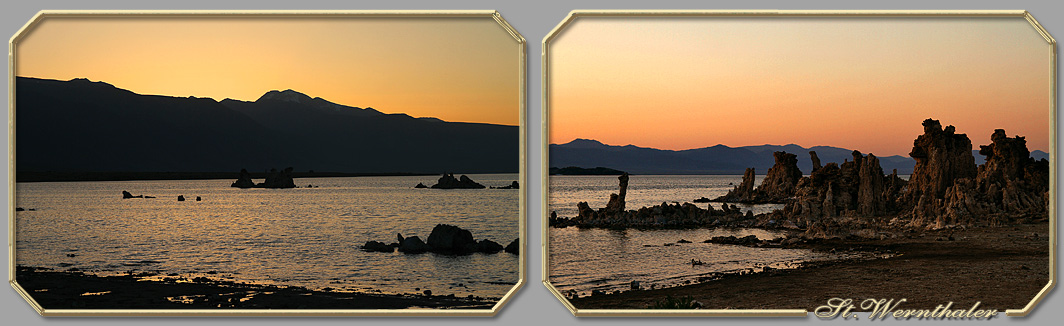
x: 79, y: 125
x: 719, y: 159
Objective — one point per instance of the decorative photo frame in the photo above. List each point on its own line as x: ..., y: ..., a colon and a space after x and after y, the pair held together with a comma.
x: 636, y: 91
x: 460, y: 109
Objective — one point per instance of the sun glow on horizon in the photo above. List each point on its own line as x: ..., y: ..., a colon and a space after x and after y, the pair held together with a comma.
x: 857, y: 83
x: 452, y: 68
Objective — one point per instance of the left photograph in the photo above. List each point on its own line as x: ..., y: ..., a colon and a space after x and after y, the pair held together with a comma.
x: 267, y: 162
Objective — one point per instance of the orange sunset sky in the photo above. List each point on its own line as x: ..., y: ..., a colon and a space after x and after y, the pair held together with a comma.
x: 858, y: 83
x: 455, y: 69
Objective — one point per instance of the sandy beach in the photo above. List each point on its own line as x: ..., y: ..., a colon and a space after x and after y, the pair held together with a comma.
x: 1001, y: 267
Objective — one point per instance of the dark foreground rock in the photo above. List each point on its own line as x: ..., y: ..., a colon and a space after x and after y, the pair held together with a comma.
x: 65, y: 290
x: 448, y: 181
x: 444, y: 239
x: 377, y: 246
x: 447, y: 238
x: 514, y: 247
x: 420, y: 186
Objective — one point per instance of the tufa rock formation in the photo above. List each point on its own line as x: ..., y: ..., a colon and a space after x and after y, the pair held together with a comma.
x: 616, y: 203
x: 244, y: 181
x: 778, y: 186
x: 274, y: 180
x: 942, y: 156
x: 448, y: 181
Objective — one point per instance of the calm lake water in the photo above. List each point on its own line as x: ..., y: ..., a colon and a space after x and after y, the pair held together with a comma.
x: 583, y: 260
x: 306, y: 237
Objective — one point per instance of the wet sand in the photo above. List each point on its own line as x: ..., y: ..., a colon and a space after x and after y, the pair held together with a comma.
x: 1002, y: 267
x: 76, y: 290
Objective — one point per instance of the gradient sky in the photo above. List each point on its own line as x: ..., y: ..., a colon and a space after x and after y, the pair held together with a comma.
x: 858, y: 83
x: 456, y: 69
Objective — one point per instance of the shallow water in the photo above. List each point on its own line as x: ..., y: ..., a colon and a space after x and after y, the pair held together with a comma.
x: 583, y: 260
x: 306, y: 237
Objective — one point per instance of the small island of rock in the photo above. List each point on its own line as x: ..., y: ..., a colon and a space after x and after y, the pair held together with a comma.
x: 448, y: 181
x: 274, y: 180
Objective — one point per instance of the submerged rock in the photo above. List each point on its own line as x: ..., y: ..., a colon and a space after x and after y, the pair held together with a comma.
x: 127, y: 195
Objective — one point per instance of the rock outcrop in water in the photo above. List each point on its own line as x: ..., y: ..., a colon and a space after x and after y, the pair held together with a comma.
x: 127, y: 195
x: 274, y: 180
x: 661, y: 216
x: 444, y: 239
x: 448, y: 181
x: 778, y: 186
x: 244, y: 181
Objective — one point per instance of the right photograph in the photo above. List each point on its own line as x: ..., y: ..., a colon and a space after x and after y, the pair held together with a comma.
x: 785, y: 163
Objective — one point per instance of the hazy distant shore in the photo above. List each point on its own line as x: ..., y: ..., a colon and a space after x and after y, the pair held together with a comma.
x: 128, y: 176
x: 1002, y: 267
x: 76, y: 290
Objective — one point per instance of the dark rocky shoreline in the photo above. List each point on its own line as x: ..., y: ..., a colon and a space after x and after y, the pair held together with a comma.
x: 76, y: 290
x: 1003, y: 267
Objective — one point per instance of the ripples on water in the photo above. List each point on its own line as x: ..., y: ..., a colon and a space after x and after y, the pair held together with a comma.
x: 583, y: 260
x: 306, y: 237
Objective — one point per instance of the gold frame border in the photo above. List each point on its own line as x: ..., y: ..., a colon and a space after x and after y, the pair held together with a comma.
x: 522, y: 176
x: 544, y: 168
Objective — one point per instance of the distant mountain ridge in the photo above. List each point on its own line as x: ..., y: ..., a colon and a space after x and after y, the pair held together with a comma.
x: 717, y: 159
x: 80, y: 125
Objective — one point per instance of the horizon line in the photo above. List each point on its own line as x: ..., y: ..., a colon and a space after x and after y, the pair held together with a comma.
x: 260, y: 96
x: 974, y: 147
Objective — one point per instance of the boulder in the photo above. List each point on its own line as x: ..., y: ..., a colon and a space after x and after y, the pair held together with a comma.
x: 447, y: 238
x: 413, y: 245
x: 127, y: 195
x: 420, y: 185
x: 180, y: 198
x: 514, y: 247
x: 488, y: 246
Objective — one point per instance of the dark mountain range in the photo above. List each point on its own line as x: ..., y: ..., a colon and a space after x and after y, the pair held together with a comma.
x: 719, y: 159
x: 84, y: 126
